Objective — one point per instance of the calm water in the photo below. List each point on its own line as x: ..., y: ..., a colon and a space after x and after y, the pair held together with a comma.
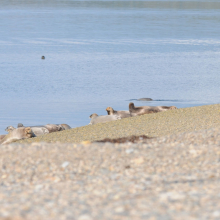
x: 104, y: 53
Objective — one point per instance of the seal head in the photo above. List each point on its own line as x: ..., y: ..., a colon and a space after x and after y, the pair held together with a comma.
x: 122, y: 114
x: 9, y: 129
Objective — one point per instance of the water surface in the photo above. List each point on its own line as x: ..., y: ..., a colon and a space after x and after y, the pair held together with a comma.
x: 105, y: 53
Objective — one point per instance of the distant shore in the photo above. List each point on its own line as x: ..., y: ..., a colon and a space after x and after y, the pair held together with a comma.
x: 152, y: 125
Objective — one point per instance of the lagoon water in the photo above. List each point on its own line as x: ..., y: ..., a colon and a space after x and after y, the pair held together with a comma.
x: 105, y: 53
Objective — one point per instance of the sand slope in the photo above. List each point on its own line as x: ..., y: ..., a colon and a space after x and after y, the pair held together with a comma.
x: 153, y: 125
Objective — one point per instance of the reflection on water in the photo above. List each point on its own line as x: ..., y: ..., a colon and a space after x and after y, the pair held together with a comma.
x: 104, y: 53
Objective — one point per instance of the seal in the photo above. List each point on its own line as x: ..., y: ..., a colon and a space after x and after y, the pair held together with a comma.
x: 95, y: 119
x: 54, y: 128
x: 45, y: 129
x: 65, y: 126
x: 37, y: 130
x: 9, y: 128
x: 145, y: 99
x: 122, y: 114
x: 17, y: 134
x: 142, y: 110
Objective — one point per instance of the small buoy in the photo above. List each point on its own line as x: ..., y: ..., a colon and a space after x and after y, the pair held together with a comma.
x: 43, y: 57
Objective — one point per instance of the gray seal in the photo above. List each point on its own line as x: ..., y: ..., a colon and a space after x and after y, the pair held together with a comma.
x: 65, y: 126
x: 17, y: 134
x: 95, y: 119
x: 134, y: 111
x: 122, y: 114
x: 48, y: 128
x: 54, y: 128
x: 37, y: 130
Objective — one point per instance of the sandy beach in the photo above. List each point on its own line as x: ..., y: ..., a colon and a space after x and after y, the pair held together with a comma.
x: 174, y: 175
x: 152, y: 125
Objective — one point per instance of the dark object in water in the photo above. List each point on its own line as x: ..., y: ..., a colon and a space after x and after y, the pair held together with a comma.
x: 145, y: 99
x: 43, y: 57
x: 133, y: 139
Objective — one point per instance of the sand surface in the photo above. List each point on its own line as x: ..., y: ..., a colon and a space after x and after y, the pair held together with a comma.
x: 153, y: 125
x: 174, y: 176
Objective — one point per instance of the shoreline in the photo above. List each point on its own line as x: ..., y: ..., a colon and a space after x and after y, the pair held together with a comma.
x: 153, y: 125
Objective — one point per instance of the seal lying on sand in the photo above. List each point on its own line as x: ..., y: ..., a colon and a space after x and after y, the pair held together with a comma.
x: 122, y: 114
x: 95, y: 119
x: 134, y: 111
x: 17, y: 134
x: 54, y: 128
x: 37, y: 130
x: 49, y: 127
x: 65, y: 126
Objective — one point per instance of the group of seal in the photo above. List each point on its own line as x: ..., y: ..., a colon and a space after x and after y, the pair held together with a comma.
x: 133, y: 111
x: 23, y: 132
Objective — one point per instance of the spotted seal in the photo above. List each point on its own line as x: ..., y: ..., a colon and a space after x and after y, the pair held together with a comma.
x: 17, y: 134
x: 95, y: 119
x: 37, y: 130
x: 134, y: 111
x: 122, y: 114
x: 48, y: 128
x: 54, y: 127
x: 65, y: 126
